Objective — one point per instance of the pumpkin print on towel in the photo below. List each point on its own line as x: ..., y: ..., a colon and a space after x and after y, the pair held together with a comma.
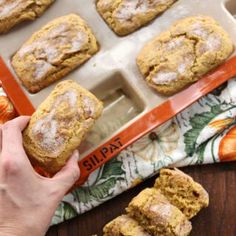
x: 7, y: 111
x: 158, y: 144
x: 227, y: 148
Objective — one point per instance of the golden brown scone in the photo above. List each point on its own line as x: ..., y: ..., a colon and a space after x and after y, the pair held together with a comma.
x: 59, y: 124
x: 157, y: 216
x: 125, y: 226
x: 12, y: 12
x: 54, y: 51
x: 182, y: 191
x: 126, y: 16
x: 180, y: 56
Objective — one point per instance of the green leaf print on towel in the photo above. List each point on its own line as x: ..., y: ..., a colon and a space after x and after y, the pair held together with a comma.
x: 65, y: 211
x: 200, y: 153
x: 104, y: 183
x: 198, y: 122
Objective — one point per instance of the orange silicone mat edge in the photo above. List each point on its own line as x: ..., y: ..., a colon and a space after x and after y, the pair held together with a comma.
x: 18, y: 98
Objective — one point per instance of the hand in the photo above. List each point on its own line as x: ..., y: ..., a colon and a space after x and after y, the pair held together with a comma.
x: 28, y: 200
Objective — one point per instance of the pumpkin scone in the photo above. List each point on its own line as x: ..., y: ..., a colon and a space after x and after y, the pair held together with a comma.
x: 13, y: 12
x: 126, y: 16
x: 157, y: 215
x: 125, y: 226
x: 184, y: 53
x: 182, y: 191
x: 59, y: 124
x: 54, y: 51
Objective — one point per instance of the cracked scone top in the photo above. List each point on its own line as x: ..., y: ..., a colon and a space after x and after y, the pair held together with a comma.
x: 54, y: 51
x: 60, y: 123
x: 12, y: 12
x: 125, y: 226
x: 157, y: 215
x: 126, y: 16
x: 180, y: 56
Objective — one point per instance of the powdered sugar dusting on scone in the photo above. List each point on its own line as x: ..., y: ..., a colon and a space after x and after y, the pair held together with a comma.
x: 182, y: 68
x: 185, y: 64
x: 6, y: 7
x: 61, y: 39
x: 130, y: 8
x: 70, y: 96
x: 89, y: 106
x: 53, y: 47
x: 213, y: 43
x: 163, y: 210
x: 174, y: 43
x: 165, y: 77
x: 60, y: 30
x: 51, y: 53
x: 26, y: 50
x: 78, y: 42
x: 198, y: 30
x: 46, y: 130
x: 41, y: 69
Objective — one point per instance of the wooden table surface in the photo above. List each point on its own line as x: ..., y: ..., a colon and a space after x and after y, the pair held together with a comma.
x: 219, y: 219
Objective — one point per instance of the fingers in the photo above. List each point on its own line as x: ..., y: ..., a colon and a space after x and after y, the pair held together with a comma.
x: 13, y: 158
x: 0, y: 138
x: 19, y: 122
x: 69, y: 174
x: 12, y: 137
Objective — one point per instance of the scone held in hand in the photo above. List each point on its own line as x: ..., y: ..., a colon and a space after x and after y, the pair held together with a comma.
x: 59, y: 124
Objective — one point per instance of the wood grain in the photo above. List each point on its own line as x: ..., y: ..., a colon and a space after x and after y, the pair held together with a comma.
x: 219, y: 219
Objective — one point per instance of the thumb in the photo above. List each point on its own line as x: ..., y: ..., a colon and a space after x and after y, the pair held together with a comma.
x: 69, y: 174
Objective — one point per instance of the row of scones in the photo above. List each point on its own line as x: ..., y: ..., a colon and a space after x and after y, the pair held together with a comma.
x: 176, y: 58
